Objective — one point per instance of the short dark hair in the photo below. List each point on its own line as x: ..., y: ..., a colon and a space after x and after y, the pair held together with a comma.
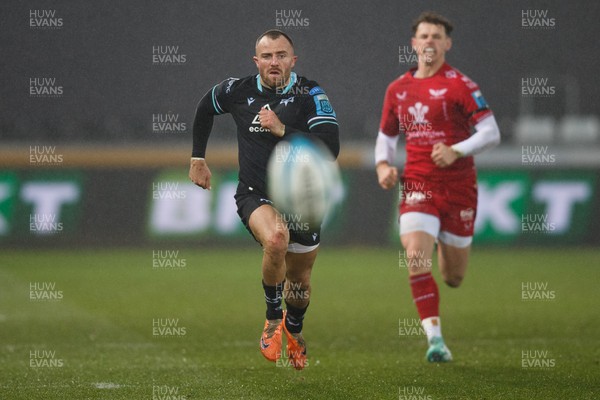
x: 274, y: 34
x: 432, y: 18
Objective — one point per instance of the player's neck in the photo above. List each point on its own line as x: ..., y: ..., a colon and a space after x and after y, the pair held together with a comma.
x: 426, y: 70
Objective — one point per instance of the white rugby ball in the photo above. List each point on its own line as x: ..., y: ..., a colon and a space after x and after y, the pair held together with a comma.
x: 300, y: 181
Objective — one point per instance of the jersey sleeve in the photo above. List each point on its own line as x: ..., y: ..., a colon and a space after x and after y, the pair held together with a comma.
x: 215, y: 102
x: 389, y: 116
x: 319, y: 110
x: 220, y: 95
x: 321, y: 119
x: 472, y: 103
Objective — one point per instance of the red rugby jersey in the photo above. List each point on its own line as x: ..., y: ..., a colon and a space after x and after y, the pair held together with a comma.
x: 441, y: 108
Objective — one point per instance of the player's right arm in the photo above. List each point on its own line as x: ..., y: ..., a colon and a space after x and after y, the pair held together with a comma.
x: 214, y: 102
x: 385, y: 145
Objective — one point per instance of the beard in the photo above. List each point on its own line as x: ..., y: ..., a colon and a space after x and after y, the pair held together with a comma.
x: 275, y: 81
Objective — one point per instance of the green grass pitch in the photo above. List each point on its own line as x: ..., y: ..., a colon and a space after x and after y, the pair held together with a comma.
x: 96, y: 340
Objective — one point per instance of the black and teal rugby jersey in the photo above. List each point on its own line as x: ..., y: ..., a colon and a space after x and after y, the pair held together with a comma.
x: 302, y: 106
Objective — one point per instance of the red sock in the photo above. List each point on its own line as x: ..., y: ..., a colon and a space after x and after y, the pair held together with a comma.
x: 425, y: 295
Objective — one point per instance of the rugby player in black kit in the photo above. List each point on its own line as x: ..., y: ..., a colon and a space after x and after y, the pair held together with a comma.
x: 267, y: 107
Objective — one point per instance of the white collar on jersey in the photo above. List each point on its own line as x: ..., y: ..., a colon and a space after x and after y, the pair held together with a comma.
x: 293, y: 79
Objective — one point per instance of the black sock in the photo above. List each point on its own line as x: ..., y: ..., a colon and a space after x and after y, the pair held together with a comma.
x: 273, y: 299
x: 294, y: 318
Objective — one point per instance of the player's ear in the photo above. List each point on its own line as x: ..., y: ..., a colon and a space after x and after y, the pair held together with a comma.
x: 255, y: 60
x: 448, y: 43
x: 294, y: 58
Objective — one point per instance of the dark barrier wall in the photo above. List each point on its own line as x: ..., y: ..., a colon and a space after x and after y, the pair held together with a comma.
x: 159, y: 206
x: 103, y: 70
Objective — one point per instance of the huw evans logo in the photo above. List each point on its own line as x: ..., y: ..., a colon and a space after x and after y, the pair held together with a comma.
x: 410, y: 123
x: 44, y: 291
x: 537, y: 19
x: 290, y: 153
x: 414, y: 259
x: 44, y: 19
x: 292, y: 291
x: 44, y: 155
x: 284, y: 358
x: 537, y: 87
x: 290, y: 19
x: 168, y: 260
x: 45, y: 88
x: 45, y: 223
x: 167, y: 190
x: 413, y: 393
x: 537, y: 359
x: 537, y: 291
x: 168, y: 55
x: 409, y: 55
x: 168, y: 123
x: 536, y: 223
x: 291, y: 221
x: 44, y: 359
x: 537, y: 155
x: 410, y: 327
x: 165, y: 392
x: 167, y: 327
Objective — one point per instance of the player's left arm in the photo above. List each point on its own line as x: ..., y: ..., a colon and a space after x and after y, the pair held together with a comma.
x: 320, y: 119
x: 486, y: 135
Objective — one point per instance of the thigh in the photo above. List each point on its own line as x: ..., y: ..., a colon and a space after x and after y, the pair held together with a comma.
x: 248, y: 201
x: 265, y: 223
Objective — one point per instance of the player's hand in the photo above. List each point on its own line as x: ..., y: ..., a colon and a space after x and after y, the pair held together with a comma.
x: 387, y: 176
x: 443, y: 155
x: 269, y: 120
x: 200, y: 173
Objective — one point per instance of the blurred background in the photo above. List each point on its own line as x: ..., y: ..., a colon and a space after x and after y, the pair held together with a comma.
x: 98, y: 100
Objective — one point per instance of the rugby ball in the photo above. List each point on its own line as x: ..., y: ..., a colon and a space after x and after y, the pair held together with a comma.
x: 301, y: 179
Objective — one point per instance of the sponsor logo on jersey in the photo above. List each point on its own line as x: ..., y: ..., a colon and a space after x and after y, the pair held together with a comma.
x: 451, y: 74
x: 230, y: 84
x: 255, y: 121
x: 286, y: 101
x: 415, y: 197
x: 418, y: 112
x: 467, y: 214
x: 478, y: 97
x: 316, y: 90
x: 250, y: 100
x: 437, y: 93
x: 323, y: 105
x: 401, y: 96
x: 470, y: 84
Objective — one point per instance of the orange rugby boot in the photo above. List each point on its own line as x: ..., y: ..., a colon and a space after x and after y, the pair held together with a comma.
x: 296, y: 348
x: 270, y: 341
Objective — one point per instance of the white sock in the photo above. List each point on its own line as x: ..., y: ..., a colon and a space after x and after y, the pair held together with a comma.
x: 432, y: 327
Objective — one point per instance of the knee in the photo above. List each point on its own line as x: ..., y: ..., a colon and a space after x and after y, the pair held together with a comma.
x: 417, y: 260
x: 276, y: 243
